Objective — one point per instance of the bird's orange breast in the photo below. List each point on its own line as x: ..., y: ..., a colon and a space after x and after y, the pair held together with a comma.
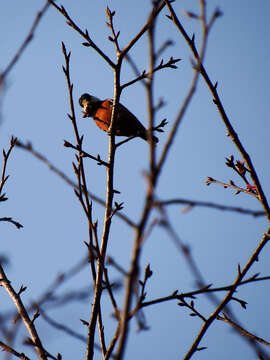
x: 103, y: 115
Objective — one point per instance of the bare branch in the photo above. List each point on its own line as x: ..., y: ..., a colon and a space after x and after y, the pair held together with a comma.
x: 85, y: 154
x: 29, y: 148
x: 27, y: 40
x: 42, y: 353
x: 197, y: 203
x: 243, y: 331
x: 228, y: 296
x: 238, y: 189
x: 144, y: 75
x: 9, y: 219
x: 10, y: 350
x: 85, y: 34
x: 216, y: 99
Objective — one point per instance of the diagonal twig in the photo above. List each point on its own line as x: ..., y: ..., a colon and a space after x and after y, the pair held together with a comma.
x: 27, y: 40
x: 29, y: 324
x: 198, y: 203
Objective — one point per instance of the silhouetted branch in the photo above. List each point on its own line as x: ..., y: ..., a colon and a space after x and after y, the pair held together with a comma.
x: 216, y: 99
x: 4, y: 178
x: 204, y: 290
x: 28, y: 147
x: 29, y: 324
x: 27, y: 40
x: 85, y: 154
x: 144, y: 75
x: 197, y: 203
x: 84, y: 34
x: 243, y: 331
x: 12, y: 351
x: 9, y: 219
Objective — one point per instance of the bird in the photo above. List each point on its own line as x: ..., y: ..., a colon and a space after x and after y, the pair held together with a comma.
x: 126, y: 124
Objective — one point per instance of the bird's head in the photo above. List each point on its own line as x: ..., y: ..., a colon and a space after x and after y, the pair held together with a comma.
x: 89, y: 104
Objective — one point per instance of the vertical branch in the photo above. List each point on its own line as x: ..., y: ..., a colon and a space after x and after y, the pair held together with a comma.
x: 197, y: 66
x: 87, y: 206
x: 134, y: 267
x: 79, y: 139
x: 110, y: 176
x: 107, y: 216
x: 150, y: 94
x: 104, y: 240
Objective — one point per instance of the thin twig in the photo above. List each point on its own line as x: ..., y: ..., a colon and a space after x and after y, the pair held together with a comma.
x: 27, y: 40
x: 231, y: 185
x: 204, y: 290
x: 29, y: 324
x: 216, y: 99
x: 228, y: 296
x: 64, y: 328
x: 12, y: 351
x: 85, y: 34
x: 4, y: 178
x: 198, y: 203
x: 112, y: 344
x: 144, y: 75
x: 28, y: 147
x: 85, y: 154
x: 9, y: 219
x: 243, y: 331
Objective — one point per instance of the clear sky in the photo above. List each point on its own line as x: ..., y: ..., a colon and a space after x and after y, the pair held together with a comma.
x: 34, y: 108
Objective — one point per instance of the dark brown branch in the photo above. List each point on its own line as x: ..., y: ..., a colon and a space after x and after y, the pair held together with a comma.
x: 169, y: 64
x: 216, y: 99
x: 132, y: 277
x: 85, y: 154
x: 151, y: 19
x: 204, y: 290
x: 67, y: 330
x: 185, y: 104
x: 9, y: 219
x: 6, y: 156
x: 186, y: 251
x: 15, y: 297
x: 27, y: 40
x: 243, y: 331
x: 49, y: 297
x: 10, y: 350
x: 106, y: 224
x: 195, y: 203
x: 4, y: 178
x: 85, y: 34
x: 192, y: 308
x: 87, y: 206
x: 28, y: 147
x: 241, y: 273
x: 112, y: 344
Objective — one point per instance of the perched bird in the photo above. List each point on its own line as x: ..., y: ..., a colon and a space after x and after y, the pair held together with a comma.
x: 126, y: 124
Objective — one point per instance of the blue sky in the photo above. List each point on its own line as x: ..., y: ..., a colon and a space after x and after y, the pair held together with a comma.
x: 34, y: 108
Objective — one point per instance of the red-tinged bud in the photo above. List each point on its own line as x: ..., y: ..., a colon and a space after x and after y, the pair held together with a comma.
x: 251, y: 187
